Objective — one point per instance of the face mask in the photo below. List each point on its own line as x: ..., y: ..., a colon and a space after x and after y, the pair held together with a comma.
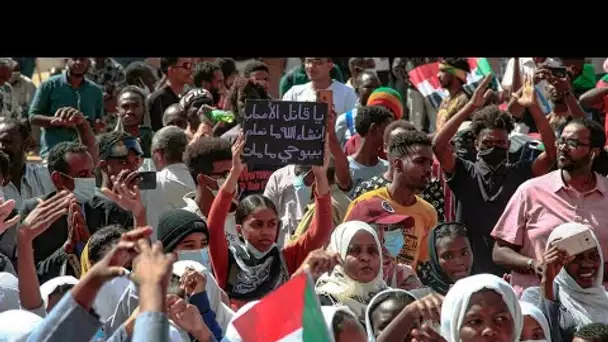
x: 256, y: 253
x: 393, y: 241
x: 199, y: 255
x: 84, y: 189
x: 219, y: 182
x: 493, y: 156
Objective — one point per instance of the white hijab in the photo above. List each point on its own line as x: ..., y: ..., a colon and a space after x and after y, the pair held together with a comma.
x: 531, y: 310
x: 338, y: 284
x: 368, y: 314
x: 16, y: 325
x: 456, y: 304
x: 585, y: 305
x: 223, y: 313
x: 9, y: 292
x: 51, y: 285
x: 109, y: 295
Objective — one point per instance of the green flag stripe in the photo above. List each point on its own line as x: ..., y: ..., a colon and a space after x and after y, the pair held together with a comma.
x: 313, y: 323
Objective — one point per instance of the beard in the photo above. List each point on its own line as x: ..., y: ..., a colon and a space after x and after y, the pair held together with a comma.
x: 215, y: 93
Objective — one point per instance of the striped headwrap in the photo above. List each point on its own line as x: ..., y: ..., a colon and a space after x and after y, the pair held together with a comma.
x: 461, y: 74
x: 388, y: 98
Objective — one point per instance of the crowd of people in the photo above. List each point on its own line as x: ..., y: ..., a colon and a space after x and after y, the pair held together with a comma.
x: 478, y: 220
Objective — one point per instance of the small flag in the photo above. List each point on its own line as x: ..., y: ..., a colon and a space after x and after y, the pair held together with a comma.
x: 290, y: 313
x: 424, y: 78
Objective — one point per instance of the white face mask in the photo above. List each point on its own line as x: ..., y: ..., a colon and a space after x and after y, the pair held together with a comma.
x: 256, y: 253
x: 199, y: 255
x: 84, y: 189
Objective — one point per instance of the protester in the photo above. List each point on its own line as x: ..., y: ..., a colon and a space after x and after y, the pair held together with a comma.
x: 63, y: 103
x: 249, y: 270
x: 488, y: 183
x: 229, y: 70
x: 383, y: 309
x: 299, y: 76
x: 536, y: 327
x: 571, y: 294
x: 209, y: 76
x: 177, y: 73
x: 480, y: 306
x: 175, y: 116
x: 522, y: 230
x: 450, y: 257
x: 412, y: 159
x: 452, y: 77
x: 257, y: 72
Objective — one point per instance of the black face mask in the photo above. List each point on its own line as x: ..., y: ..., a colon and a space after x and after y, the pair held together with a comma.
x: 493, y: 156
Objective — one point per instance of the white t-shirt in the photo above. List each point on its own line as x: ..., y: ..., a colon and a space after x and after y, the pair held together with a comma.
x: 345, y: 98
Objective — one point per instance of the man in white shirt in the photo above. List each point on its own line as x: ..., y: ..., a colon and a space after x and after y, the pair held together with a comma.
x: 173, y: 179
x: 317, y: 70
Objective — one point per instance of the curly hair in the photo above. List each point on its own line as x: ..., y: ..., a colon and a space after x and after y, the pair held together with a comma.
x: 491, y: 117
x: 57, y: 156
x: 594, y: 332
x: 203, y: 152
x: 254, y: 66
x: 401, y: 143
x: 204, y: 72
x: 369, y: 115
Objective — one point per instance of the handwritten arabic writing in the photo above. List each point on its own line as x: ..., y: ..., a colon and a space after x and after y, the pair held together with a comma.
x: 282, y: 132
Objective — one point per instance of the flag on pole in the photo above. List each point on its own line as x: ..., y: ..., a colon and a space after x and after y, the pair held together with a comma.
x: 424, y: 78
x: 290, y: 313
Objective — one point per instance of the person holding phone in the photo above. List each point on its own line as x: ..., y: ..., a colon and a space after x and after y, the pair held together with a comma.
x: 570, y: 294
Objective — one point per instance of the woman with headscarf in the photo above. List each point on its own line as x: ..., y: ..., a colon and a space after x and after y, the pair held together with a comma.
x: 450, y: 257
x: 360, y: 278
x: 571, y: 294
x: 383, y: 309
x: 478, y: 307
x: 536, y: 328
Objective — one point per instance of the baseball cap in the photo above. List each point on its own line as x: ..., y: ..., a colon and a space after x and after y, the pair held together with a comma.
x: 379, y: 211
x: 119, y: 148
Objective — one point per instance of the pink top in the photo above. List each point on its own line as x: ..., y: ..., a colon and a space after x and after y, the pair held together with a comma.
x: 542, y: 203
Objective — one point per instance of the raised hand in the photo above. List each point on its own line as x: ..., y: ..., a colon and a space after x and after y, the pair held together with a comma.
x: 237, y: 151
x: 426, y: 309
x: 192, y: 282
x: 68, y: 117
x: 6, y: 208
x: 77, y: 231
x: 426, y: 334
x: 326, y: 158
x: 527, y: 97
x: 44, y: 215
x: 318, y: 262
x: 152, y: 266
x: 187, y: 317
x: 482, y: 93
x: 125, y: 192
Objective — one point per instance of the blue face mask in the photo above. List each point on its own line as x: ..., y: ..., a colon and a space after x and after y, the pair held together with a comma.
x: 393, y: 241
x: 199, y: 255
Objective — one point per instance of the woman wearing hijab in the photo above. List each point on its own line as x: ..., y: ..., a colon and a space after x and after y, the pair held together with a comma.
x: 571, y: 294
x: 478, y: 307
x: 383, y: 309
x: 360, y: 278
x: 536, y: 328
x: 450, y: 257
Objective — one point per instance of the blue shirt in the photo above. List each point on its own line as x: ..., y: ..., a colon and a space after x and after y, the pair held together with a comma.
x: 56, y: 93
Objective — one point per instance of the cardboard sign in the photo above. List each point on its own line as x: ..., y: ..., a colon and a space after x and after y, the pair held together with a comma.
x: 284, y: 132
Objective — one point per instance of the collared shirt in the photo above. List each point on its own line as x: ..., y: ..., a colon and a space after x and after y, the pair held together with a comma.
x: 23, y: 93
x: 56, y: 93
x: 344, y: 97
x: 110, y: 77
x: 36, y: 182
x: 541, y: 204
x: 479, y: 190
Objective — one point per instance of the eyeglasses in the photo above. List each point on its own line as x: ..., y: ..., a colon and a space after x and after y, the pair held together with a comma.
x: 570, y: 143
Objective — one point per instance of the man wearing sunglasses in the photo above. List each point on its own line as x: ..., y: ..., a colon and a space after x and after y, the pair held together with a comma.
x: 59, y: 99
x: 177, y: 73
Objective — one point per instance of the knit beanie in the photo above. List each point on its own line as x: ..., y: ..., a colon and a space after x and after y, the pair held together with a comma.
x: 174, y: 225
x: 388, y: 98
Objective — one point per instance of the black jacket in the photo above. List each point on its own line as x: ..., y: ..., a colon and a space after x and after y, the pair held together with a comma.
x: 48, y: 252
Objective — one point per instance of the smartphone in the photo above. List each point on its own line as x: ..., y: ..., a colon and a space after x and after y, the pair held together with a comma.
x: 147, y: 180
x: 326, y: 96
x: 559, y: 72
x: 577, y: 243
